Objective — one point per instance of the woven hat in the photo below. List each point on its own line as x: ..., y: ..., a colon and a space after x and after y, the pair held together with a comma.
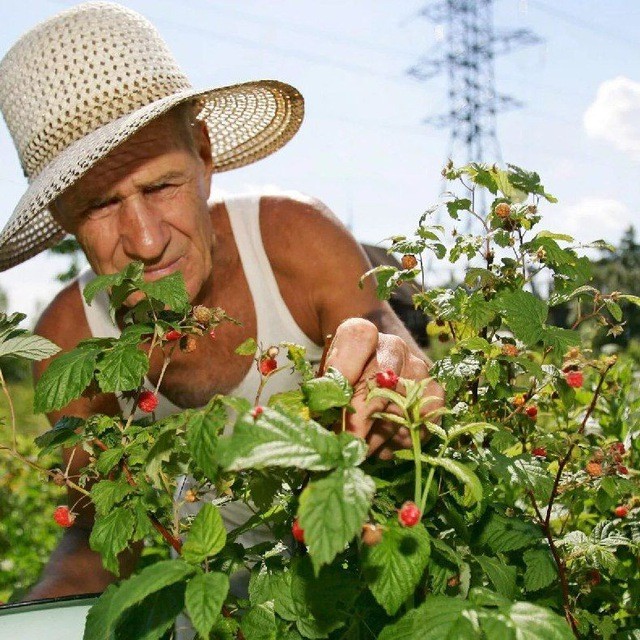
x: 83, y: 82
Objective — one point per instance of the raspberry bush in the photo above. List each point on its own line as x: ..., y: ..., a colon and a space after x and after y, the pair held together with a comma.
x: 517, y: 517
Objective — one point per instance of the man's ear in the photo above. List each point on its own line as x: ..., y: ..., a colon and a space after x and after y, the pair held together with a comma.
x: 203, y: 145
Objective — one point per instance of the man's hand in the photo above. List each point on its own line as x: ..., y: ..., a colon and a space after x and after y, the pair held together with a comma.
x: 359, y: 351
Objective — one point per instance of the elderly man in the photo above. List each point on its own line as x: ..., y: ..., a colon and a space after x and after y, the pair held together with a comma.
x: 120, y: 150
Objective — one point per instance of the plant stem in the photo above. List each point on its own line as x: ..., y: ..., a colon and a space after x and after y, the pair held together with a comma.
x: 11, y: 410
x: 414, y: 430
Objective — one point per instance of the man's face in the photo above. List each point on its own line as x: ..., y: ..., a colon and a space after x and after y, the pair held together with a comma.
x: 146, y: 201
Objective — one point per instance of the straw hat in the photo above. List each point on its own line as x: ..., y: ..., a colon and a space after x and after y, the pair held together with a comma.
x: 83, y: 82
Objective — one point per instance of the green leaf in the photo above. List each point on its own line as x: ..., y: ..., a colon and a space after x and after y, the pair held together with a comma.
x: 110, y: 535
x: 63, y: 433
x: 109, y: 459
x: 472, y: 484
x: 104, y: 616
x: 332, y: 511
x: 28, y: 346
x: 470, y: 428
x: 630, y: 298
x: 534, y: 476
x: 559, y: 339
x: 508, y: 534
x: 555, y: 236
x: 279, y: 440
x: 259, y: 623
x: 203, y: 429
x: 531, y: 622
x: 204, y: 597
x: 298, y: 355
x: 613, y: 308
x: 123, y: 368
x: 492, y: 372
x: 207, y: 535
x: 525, y: 314
x: 459, y: 204
x: 502, y: 576
x: 330, y: 390
x: 65, y: 379
x: 133, y: 271
x: 541, y: 569
x: 247, y: 348
x: 290, y: 402
x: 393, y: 568
x: 170, y: 290
x: 106, y: 494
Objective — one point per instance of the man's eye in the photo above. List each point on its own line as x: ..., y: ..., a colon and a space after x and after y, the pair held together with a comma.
x: 158, y: 187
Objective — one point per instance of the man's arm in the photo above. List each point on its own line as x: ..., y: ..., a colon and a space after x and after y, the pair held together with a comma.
x: 73, y: 567
x: 319, y: 265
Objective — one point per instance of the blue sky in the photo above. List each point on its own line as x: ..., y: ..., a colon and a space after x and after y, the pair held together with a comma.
x: 363, y: 148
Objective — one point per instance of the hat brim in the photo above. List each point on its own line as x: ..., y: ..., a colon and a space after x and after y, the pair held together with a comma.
x: 246, y: 122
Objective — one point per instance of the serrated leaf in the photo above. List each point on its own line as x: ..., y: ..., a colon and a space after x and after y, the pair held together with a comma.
x: 534, y: 476
x: 525, y: 314
x: 492, y: 372
x: 541, y: 569
x: 394, y: 567
x: 502, y: 575
x: 203, y: 428
x: 279, y: 440
x: 122, y: 368
x: 472, y: 484
x: 332, y: 511
x: 110, y: 535
x: 207, y: 535
x: 532, y: 622
x: 560, y: 339
x: 170, y: 290
x: 109, y: 459
x: 30, y: 347
x: 330, y: 390
x: 204, y: 598
x: 63, y: 433
x: 104, y: 616
x: 133, y: 271
x: 65, y: 379
x: 259, y: 623
x: 470, y: 428
x: 106, y: 494
x: 247, y: 348
x: 508, y: 534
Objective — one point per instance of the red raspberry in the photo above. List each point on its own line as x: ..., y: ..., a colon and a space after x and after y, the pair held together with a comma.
x: 256, y: 412
x: 148, y: 401
x: 621, y: 511
x: 371, y: 534
x: 409, y: 514
x: 409, y: 261
x: 267, y: 366
x: 297, y: 531
x: 622, y: 470
x: 532, y: 411
x: 387, y: 379
x: 574, y: 379
x: 63, y: 516
x: 172, y: 335
x: 617, y: 447
x: 539, y: 452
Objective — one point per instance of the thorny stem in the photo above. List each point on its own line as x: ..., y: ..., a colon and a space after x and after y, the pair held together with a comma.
x: 11, y: 409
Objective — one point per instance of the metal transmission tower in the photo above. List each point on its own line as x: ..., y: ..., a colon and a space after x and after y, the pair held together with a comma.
x: 471, y: 46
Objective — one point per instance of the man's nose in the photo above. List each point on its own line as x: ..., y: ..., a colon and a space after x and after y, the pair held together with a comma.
x: 143, y: 231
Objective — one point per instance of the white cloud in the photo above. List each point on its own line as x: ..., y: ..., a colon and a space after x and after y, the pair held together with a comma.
x: 614, y: 116
x: 590, y: 219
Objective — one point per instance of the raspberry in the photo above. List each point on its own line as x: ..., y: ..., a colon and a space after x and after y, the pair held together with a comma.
x: 443, y: 336
x: 532, y: 411
x: 594, y: 577
x: 621, y: 511
x: 59, y: 479
x: 574, y: 379
x: 387, y: 379
x: 539, y: 452
x: 256, y: 412
x: 297, y: 531
x: 502, y: 210
x: 453, y: 581
x: 594, y: 469
x: 371, y: 534
x: 172, y: 334
x: 63, y: 516
x: 191, y: 496
x: 622, y: 470
x: 188, y: 344
x: 409, y: 515
x: 148, y: 401
x: 510, y: 350
x: 272, y: 352
x: 267, y: 365
x: 409, y: 262
x: 202, y: 314
x: 519, y: 400
x: 617, y: 447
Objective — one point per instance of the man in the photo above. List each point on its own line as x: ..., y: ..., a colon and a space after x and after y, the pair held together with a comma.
x: 120, y: 152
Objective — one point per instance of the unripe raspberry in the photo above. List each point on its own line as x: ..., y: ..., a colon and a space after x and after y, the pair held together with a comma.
x: 256, y: 412
x: 510, y: 350
x: 148, y: 401
x: 371, y: 534
x: 621, y: 511
x: 539, y: 452
x: 59, y: 479
x: 409, y: 515
x: 503, y: 210
x: 63, y: 516
x: 453, y: 581
x: 297, y: 531
x: 443, y: 336
x: 409, y: 261
x: 594, y: 469
x: 387, y: 379
x: 172, y: 335
x: 272, y: 352
x: 519, y: 400
x: 573, y: 353
x: 574, y: 379
x: 532, y: 411
x: 188, y: 344
x: 202, y: 314
x: 267, y: 365
x: 191, y: 496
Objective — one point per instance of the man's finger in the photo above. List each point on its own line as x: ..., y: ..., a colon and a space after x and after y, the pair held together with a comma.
x: 352, y: 348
